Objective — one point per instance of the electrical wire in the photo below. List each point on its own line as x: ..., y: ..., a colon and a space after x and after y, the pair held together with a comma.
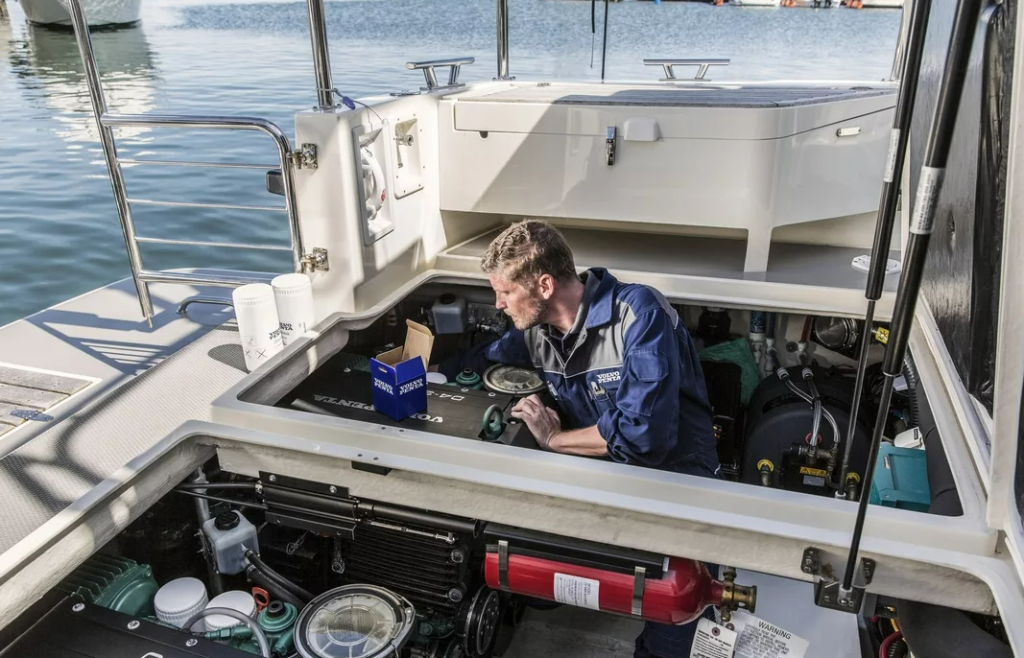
x: 883, y: 651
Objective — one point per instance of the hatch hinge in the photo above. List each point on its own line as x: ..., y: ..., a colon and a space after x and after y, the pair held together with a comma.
x: 828, y: 590
x: 316, y: 261
x: 304, y: 157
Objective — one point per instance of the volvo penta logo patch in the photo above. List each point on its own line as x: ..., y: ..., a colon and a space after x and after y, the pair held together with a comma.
x: 384, y: 386
x: 605, y: 377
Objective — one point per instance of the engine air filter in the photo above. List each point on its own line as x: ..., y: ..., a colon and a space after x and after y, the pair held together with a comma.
x: 354, y: 621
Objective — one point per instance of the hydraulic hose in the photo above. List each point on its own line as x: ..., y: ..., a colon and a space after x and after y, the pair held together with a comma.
x: 273, y: 587
x: 278, y: 578
x: 257, y: 632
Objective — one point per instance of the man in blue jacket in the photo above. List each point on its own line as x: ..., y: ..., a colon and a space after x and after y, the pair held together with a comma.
x: 617, y: 360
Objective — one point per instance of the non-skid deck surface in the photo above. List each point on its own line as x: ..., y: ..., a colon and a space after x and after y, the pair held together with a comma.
x: 27, y: 393
x: 709, y: 96
x: 54, y: 469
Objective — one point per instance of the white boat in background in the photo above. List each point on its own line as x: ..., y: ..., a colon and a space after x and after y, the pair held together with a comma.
x: 881, y: 4
x: 97, y: 12
x: 756, y: 3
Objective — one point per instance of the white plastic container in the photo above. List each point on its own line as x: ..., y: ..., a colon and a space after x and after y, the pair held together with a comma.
x: 230, y: 535
x: 179, y: 599
x: 450, y: 314
x: 234, y: 600
x: 293, y: 294
x: 258, y: 326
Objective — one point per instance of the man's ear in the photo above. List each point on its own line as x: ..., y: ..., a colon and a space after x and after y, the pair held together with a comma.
x: 546, y: 286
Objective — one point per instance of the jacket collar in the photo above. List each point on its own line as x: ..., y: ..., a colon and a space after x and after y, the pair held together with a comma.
x: 603, y: 298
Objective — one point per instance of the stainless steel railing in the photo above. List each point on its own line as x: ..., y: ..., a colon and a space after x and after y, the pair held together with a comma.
x: 501, y: 19
x: 288, y: 160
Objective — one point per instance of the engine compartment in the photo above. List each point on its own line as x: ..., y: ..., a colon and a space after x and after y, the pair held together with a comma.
x: 309, y: 570
x: 298, y: 557
x: 763, y: 371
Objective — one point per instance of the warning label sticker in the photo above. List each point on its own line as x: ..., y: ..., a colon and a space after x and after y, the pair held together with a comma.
x: 712, y: 641
x: 760, y: 639
x: 573, y: 590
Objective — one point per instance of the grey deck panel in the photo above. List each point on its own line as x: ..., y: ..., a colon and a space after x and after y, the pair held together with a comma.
x: 41, y: 380
x: 709, y: 96
x: 54, y: 469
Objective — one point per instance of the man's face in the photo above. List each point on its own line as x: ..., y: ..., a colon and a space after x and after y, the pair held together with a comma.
x: 525, y: 305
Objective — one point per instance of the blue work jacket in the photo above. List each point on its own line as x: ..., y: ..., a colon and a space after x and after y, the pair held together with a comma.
x: 627, y: 366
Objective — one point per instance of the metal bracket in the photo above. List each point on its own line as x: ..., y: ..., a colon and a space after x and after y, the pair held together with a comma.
x: 639, y: 585
x: 316, y: 261
x: 304, y: 157
x: 829, y: 592
x: 609, y: 146
x: 454, y: 65
x: 702, y: 64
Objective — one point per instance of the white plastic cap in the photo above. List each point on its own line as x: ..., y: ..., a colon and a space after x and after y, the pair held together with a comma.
x: 179, y: 599
x: 291, y: 284
x: 436, y: 378
x: 252, y: 294
x: 235, y: 600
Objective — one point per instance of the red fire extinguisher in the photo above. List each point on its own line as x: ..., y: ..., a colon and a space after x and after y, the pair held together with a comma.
x: 682, y: 592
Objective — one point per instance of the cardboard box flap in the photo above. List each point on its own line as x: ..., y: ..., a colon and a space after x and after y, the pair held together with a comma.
x: 418, y: 342
x: 392, y: 357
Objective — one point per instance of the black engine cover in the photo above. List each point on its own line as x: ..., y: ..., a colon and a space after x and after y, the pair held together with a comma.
x: 95, y: 632
x: 777, y: 418
x: 347, y: 393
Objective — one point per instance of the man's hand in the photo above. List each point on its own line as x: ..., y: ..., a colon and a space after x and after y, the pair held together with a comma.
x: 542, y: 421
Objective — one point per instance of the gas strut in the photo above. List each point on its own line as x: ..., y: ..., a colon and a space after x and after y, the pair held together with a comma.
x: 887, y: 206
x: 848, y: 594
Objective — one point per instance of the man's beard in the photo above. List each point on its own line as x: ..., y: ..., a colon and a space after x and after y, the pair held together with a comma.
x: 533, y: 316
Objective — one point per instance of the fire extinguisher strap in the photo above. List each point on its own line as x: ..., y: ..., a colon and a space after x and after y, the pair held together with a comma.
x: 639, y: 581
x: 503, y: 565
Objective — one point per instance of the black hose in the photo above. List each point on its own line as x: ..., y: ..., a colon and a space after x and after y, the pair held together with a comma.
x: 197, y: 486
x: 240, y: 503
x: 278, y: 578
x: 273, y: 588
x: 933, y: 631
x: 257, y: 632
x: 910, y: 374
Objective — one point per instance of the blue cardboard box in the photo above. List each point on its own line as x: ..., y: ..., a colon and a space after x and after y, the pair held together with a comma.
x: 400, y: 375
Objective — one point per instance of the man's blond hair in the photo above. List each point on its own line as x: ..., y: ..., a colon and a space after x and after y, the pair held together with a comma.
x: 526, y: 250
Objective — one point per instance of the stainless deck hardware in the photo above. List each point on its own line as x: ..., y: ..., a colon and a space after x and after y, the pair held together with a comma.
x: 305, y: 157
x: 501, y: 20
x: 288, y: 161
x: 609, y: 146
x: 454, y: 65
x: 702, y: 64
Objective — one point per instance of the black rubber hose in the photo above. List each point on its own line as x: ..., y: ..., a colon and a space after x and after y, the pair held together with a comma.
x: 273, y: 588
x: 910, y: 374
x: 278, y: 578
x: 220, y: 499
x: 198, y: 486
x: 257, y: 632
x: 933, y: 631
